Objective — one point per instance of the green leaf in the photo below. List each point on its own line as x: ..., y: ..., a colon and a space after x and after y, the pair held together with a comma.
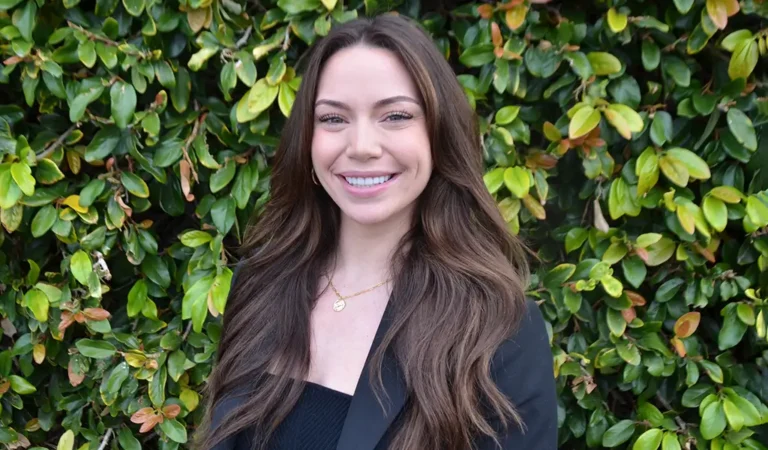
x: 134, y: 184
x: 697, y: 168
x: 38, y: 302
x: 22, y: 175
x: 619, y: 433
x: 675, y: 170
x: 660, y: 252
x: 678, y: 70
x: 517, y: 181
x: 584, y: 121
x: 661, y: 128
x: 123, y: 103
x: 127, y: 440
x: 172, y: 427
x: 757, y: 211
x: 683, y: 6
x: 615, y: 253
x: 296, y: 7
x: 647, y: 171
x: 81, y: 266
x: 670, y: 441
x: 21, y: 386
x: 95, y: 349
x: 733, y: 414
x: 221, y: 178
x: 494, y: 179
x: 104, y: 142
x: 48, y: 172
x: 195, y: 238
x: 256, y: 100
x: 5, y: 5
x: 66, y: 441
x: 220, y: 289
x: 744, y: 59
x: 110, y: 386
x: 575, y: 238
x: 712, y: 421
x: 634, y: 270
x: 612, y: 286
x: 742, y: 128
x: 156, y: 270
x: 650, y: 55
x: 727, y: 194
x: 507, y: 114
x: 25, y: 18
x: 137, y: 297
x: 628, y: 351
x: 650, y: 440
x: 751, y: 416
x: 604, y: 63
x: 733, y: 39
x: 716, y: 212
x: 746, y: 313
x: 732, y: 331
x: 168, y: 152
x: 43, y: 220
x: 223, y: 214
x: 134, y: 7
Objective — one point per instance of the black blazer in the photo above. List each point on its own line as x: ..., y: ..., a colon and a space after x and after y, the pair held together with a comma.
x: 522, y: 368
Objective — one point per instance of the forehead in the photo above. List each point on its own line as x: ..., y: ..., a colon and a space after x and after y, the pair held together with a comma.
x: 362, y: 74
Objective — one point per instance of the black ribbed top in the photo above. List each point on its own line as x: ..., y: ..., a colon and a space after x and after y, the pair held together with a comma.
x: 315, y: 422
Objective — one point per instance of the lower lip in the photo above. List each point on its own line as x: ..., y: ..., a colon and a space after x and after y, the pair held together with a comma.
x: 367, y: 191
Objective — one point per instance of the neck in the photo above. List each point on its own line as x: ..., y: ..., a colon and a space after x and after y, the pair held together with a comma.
x: 365, y: 251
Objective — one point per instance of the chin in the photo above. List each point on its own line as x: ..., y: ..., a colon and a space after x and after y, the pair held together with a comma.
x: 369, y: 216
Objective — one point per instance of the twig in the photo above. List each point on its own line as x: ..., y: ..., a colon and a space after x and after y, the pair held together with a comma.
x: 188, y: 142
x: 186, y: 332
x: 242, y: 41
x: 287, y: 38
x: 57, y: 143
x: 666, y: 404
x: 96, y: 37
x: 105, y: 441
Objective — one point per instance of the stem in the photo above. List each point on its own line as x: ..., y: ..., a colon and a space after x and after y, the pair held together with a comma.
x: 57, y: 143
x: 287, y: 38
x: 186, y: 332
x: 666, y: 404
x: 96, y: 37
x: 243, y: 40
x: 188, y: 142
x: 105, y: 441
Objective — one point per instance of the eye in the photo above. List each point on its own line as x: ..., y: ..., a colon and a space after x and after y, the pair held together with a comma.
x: 398, y: 116
x: 333, y: 119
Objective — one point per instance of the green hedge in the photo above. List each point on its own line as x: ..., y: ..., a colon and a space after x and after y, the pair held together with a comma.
x: 625, y: 140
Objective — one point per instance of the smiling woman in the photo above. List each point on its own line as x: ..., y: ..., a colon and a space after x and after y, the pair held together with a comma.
x: 380, y: 301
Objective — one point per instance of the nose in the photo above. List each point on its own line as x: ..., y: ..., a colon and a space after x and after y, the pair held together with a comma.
x: 364, y: 142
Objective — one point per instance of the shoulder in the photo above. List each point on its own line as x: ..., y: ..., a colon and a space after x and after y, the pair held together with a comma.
x: 523, y: 370
x: 529, y: 343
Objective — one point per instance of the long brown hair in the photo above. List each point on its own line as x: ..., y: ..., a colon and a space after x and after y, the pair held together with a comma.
x: 458, y: 269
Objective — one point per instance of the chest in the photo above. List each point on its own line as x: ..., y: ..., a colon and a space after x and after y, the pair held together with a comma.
x: 341, y: 340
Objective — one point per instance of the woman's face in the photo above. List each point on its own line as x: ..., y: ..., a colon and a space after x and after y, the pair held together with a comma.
x: 370, y: 147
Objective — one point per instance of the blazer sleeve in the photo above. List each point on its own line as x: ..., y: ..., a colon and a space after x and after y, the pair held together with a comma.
x: 523, y: 370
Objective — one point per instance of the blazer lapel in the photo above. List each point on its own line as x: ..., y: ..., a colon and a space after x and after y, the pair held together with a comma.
x: 366, y: 422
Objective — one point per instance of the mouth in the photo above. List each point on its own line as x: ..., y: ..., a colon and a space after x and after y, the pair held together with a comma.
x: 367, y: 182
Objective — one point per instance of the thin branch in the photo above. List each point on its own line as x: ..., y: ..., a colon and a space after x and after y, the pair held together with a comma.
x: 243, y: 40
x: 186, y: 332
x: 105, y: 441
x: 287, y: 37
x: 57, y: 143
x: 680, y: 422
x: 188, y: 142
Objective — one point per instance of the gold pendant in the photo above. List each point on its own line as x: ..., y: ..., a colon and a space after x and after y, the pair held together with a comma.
x: 339, y: 304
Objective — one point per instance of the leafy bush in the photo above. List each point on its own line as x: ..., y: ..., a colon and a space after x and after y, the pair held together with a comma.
x: 625, y: 140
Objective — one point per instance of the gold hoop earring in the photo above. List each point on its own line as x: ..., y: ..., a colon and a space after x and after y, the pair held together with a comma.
x: 314, y: 178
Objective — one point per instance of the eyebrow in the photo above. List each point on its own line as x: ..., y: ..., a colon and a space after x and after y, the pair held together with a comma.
x: 378, y: 104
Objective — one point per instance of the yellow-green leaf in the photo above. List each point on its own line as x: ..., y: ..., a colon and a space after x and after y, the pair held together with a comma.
x: 674, y: 170
x: 604, y: 63
x: 517, y: 181
x: 584, y: 121
x: 616, y: 20
x: 716, y: 212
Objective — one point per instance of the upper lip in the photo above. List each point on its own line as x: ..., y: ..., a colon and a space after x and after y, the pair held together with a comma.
x: 358, y: 174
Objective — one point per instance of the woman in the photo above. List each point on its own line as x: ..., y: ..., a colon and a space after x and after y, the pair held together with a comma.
x: 380, y: 304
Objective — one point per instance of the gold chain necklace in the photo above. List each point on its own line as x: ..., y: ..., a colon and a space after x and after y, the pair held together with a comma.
x: 341, y: 303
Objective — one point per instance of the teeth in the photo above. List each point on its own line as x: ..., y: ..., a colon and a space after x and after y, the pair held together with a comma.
x: 368, y: 181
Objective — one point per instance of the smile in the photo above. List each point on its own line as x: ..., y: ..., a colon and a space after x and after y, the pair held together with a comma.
x: 367, y: 181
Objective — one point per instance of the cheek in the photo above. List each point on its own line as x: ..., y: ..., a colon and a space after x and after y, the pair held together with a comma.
x: 324, y: 148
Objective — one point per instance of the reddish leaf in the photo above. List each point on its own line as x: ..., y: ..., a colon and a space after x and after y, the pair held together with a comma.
x: 687, y: 323
x: 171, y: 411
x: 635, y: 298
x: 97, y: 313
